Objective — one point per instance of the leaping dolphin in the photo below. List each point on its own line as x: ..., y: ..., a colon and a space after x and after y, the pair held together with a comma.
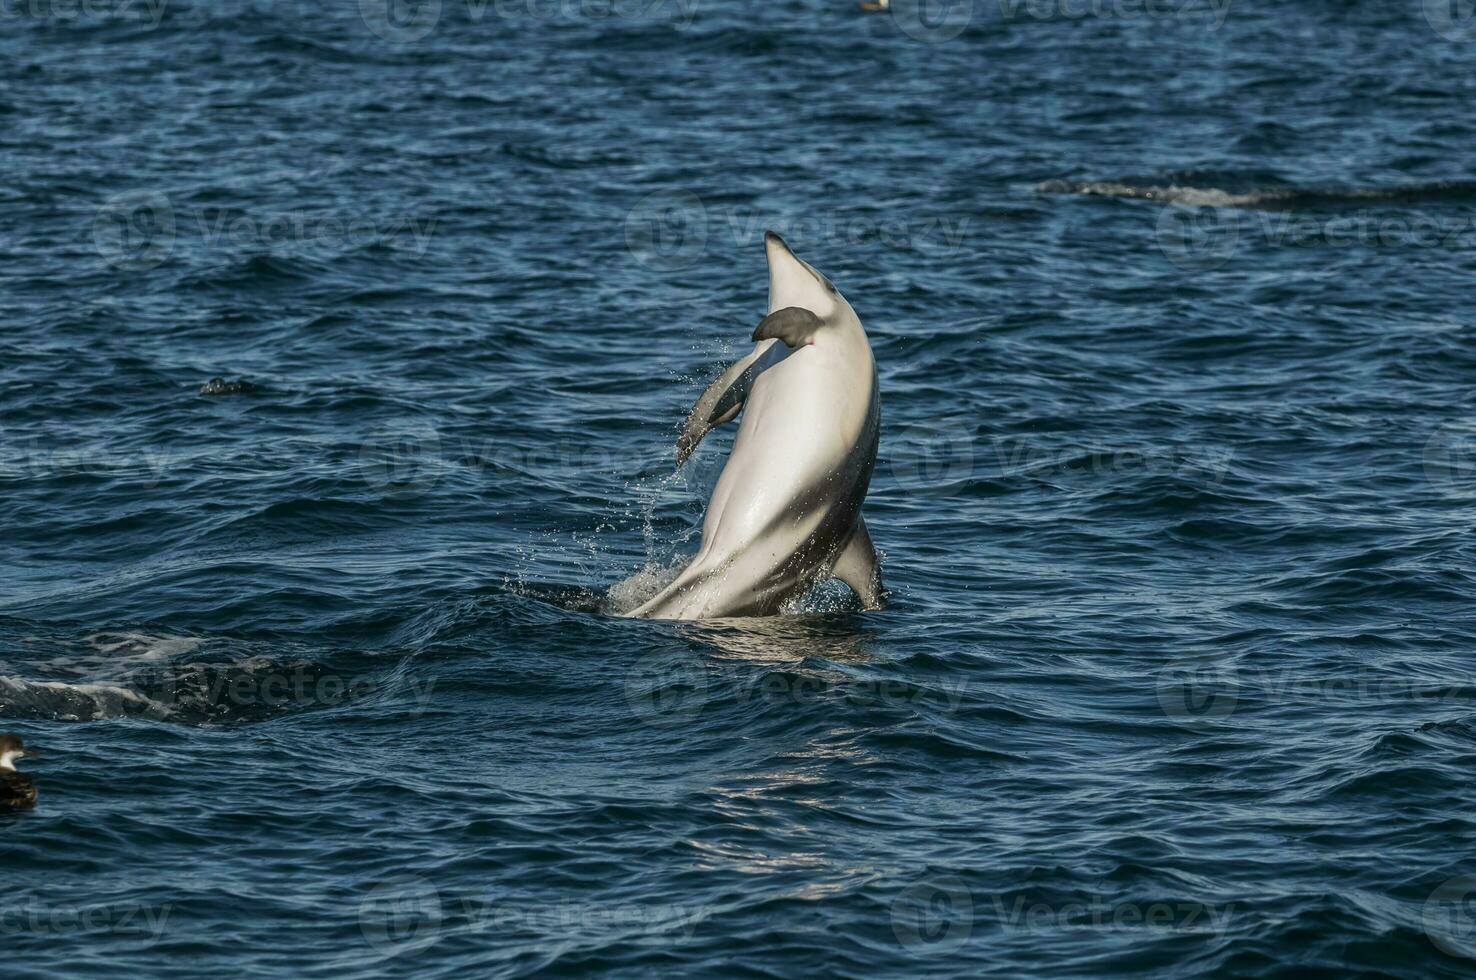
x: 786, y: 512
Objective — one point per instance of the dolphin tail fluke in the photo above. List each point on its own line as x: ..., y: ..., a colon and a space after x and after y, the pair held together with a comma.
x: 857, y: 566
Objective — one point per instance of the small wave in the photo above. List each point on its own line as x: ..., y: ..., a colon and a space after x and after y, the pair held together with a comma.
x: 143, y: 646
x: 111, y: 655
x: 256, y: 271
x: 60, y: 701
x: 320, y: 51
x: 1270, y: 198
x: 317, y: 515
x: 566, y: 157
x: 199, y: 693
x: 574, y: 598
x: 192, y: 680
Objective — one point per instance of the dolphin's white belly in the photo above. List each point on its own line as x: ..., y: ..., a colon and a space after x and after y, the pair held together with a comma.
x: 799, y: 429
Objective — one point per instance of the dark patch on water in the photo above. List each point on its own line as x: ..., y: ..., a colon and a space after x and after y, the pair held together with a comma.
x: 220, y: 386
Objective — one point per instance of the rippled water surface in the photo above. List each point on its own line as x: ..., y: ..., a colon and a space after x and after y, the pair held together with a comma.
x: 1172, y: 308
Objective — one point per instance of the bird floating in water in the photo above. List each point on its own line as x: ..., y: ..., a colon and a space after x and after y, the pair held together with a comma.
x: 17, y: 791
x: 872, y: 6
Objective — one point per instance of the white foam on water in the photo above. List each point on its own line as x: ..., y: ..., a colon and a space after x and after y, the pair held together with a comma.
x: 61, y: 701
x: 643, y: 584
x: 143, y: 646
x: 1211, y: 197
x: 110, y: 655
x: 1264, y: 197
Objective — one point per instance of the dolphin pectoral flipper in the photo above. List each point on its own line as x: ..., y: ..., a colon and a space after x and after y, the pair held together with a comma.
x: 720, y: 403
x: 857, y: 567
x: 794, y: 325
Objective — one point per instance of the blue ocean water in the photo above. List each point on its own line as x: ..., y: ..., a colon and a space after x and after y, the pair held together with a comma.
x: 1172, y: 309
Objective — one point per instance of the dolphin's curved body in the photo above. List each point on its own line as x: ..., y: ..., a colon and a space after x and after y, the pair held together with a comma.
x: 786, y: 512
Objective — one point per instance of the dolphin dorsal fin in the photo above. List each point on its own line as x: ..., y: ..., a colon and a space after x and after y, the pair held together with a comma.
x: 793, y: 325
